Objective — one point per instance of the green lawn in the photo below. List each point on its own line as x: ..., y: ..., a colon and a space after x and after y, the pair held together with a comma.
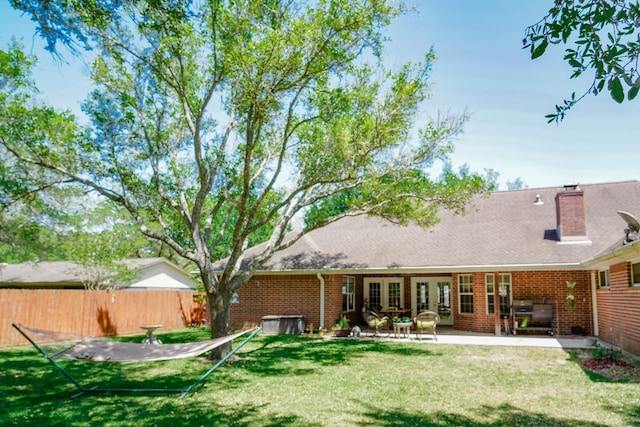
x: 302, y: 381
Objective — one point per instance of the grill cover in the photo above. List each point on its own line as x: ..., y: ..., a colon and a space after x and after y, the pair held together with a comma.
x: 542, y: 313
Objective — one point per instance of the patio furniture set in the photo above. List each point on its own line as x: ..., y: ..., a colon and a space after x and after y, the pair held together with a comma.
x: 425, y: 321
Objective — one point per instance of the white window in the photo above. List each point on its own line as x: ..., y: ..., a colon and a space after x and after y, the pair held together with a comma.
x: 465, y: 293
x: 348, y: 293
x: 604, y: 278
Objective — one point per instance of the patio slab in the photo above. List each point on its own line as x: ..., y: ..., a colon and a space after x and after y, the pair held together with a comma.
x: 450, y: 336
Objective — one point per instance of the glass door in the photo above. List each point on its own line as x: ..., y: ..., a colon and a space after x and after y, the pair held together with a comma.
x: 433, y: 294
x: 445, y: 309
x: 384, y: 292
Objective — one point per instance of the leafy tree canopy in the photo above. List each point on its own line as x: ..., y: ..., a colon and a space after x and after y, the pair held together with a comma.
x: 602, y: 37
x: 216, y: 124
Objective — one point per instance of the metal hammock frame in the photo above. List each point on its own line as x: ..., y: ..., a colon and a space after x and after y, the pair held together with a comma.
x: 200, y: 347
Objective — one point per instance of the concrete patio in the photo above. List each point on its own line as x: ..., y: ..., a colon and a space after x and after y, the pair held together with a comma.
x: 451, y: 336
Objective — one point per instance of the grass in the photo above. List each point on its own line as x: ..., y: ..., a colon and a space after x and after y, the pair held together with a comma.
x: 302, y: 381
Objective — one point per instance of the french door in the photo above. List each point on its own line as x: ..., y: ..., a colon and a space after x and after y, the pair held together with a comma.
x: 384, y: 292
x: 433, y: 294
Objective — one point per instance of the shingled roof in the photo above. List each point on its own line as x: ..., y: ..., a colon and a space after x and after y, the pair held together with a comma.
x: 504, y: 231
x: 66, y: 273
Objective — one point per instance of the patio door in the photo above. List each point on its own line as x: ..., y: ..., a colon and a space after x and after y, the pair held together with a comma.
x: 434, y: 294
x: 384, y: 292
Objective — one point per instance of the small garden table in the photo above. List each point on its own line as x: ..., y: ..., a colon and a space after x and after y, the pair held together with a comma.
x: 402, y: 328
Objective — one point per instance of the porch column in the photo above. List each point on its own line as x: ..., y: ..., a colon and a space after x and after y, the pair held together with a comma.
x: 496, y: 303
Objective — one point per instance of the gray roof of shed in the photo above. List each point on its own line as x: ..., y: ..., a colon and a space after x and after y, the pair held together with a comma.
x: 62, y: 272
x: 505, y: 230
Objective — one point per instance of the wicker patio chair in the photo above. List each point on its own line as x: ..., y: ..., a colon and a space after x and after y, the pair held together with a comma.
x: 373, y: 320
x: 426, y: 321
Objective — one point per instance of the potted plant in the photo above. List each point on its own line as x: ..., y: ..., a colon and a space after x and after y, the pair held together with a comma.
x: 341, y: 329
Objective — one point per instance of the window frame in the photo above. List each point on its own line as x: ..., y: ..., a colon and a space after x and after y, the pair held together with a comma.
x: 490, y: 299
x: 635, y: 274
x: 465, y: 292
x: 607, y: 279
x: 348, y: 294
x: 504, y: 279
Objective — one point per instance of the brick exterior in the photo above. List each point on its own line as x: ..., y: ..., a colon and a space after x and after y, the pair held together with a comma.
x: 532, y: 285
x: 619, y: 309
x: 276, y: 294
x: 570, y: 214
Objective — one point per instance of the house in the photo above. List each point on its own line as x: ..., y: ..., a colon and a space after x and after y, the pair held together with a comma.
x: 152, y: 273
x: 563, y: 249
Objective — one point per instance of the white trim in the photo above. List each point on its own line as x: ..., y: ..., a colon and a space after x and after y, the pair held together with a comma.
x: 624, y: 253
x: 433, y: 269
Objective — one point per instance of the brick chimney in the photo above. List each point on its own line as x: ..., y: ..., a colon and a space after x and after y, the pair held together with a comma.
x: 570, y: 214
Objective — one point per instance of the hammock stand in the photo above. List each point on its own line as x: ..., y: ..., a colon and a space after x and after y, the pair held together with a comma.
x: 95, y: 349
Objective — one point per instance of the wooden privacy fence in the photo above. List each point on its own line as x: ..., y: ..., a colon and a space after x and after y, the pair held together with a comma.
x: 96, y: 313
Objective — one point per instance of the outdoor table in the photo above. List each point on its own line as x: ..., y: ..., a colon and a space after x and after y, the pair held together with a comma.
x: 402, y: 328
x: 394, y: 312
x: 150, y: 338
x: 391, y: 312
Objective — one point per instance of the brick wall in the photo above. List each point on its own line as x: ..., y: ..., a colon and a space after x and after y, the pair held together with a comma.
x: 619, y: 310
x: 533, y: 285
x: 277, y: 294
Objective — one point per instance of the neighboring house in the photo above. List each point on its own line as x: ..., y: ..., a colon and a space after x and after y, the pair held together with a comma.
x: 511, y: 246
x: 152, y: 273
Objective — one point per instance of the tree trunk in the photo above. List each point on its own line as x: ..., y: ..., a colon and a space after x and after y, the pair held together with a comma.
x: 219, y: 315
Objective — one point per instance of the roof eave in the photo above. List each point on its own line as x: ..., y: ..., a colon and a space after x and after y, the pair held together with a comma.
x: 630, y: 252
x: 429, y: 269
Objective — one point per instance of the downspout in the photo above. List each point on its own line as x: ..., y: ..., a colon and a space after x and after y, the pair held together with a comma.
x: 321, y: 279
x: 594, y: 303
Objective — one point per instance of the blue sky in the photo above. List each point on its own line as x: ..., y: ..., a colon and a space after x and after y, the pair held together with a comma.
x: 481, y: 68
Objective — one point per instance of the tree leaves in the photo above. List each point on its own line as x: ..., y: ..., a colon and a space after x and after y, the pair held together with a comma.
x: 602, y: 36
x: 539, y: 49
x: 616, y: 90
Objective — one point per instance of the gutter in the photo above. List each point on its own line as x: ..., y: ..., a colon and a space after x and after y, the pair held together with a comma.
x: 594, y: 304
x: 433, y: 269
x: 321, y: 279
x: 620, y: 254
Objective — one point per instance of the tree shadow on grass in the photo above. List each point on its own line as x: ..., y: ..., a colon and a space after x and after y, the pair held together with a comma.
x: 270, y: 358
x: 503, y: 415
x: 35, y: 394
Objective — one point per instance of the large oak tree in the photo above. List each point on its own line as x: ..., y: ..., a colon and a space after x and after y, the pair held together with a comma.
x: 216, y: 124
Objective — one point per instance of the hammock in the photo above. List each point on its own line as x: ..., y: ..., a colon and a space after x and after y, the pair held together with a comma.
x: 101, y: 350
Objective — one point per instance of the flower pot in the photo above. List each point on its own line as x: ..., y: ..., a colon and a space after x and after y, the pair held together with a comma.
x: 342, y: 332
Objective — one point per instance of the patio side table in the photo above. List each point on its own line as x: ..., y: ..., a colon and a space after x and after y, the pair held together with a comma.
x: 402, y: 329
